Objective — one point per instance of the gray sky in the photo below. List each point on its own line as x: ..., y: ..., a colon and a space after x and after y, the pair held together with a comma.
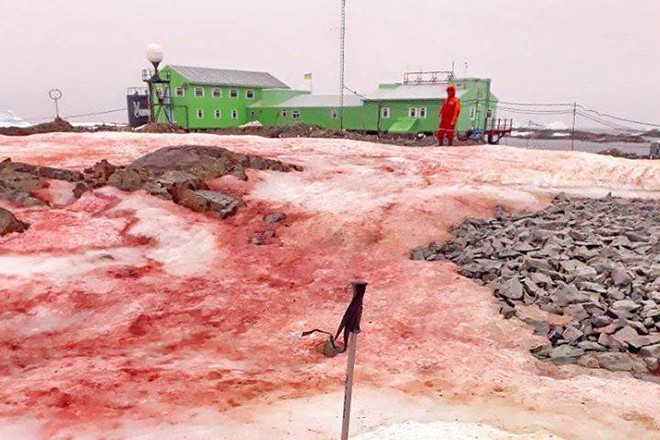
x: 603, y: 53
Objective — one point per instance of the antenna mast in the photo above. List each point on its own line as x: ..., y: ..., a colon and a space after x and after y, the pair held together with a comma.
x: 342, y: 42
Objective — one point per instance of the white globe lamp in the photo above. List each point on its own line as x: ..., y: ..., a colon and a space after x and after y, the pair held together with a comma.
x: 155, y: 54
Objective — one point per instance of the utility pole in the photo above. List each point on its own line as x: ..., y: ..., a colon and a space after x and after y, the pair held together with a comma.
x: 573, y: 131
x: 342, y: 42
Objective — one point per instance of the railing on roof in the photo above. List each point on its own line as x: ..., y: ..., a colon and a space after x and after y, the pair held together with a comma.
x: 137, y: 91
x: 431, y: 77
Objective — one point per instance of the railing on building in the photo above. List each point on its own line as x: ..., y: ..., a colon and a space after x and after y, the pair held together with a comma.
x: 430, y: 77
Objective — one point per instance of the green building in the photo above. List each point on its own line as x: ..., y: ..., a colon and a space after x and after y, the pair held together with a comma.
x: 201, y: 98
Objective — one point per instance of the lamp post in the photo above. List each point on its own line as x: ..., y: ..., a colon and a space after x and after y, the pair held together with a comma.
x: 155, y: 57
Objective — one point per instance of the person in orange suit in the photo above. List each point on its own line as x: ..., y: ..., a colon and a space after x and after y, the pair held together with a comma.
x: 448, y: 114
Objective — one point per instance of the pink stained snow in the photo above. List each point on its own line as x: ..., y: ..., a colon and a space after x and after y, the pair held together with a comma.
x: 124, y: 316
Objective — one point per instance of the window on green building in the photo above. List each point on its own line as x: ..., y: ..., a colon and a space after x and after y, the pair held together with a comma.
x: 334, y: 114
x: 217, y: 114
x: 489, y: 113
x: 423, y: 112
x: 249, y: 94
x: 385, y: 113
x: 180, y: 92
x: 295, y: 114
x: 217, y: 93
x: 473, y: 113
x: 283, y: 113
x: 233, y: 93
x: 200, y: 113
x: 412, y: 112
x: 234, y: 114
x: 199, y: 92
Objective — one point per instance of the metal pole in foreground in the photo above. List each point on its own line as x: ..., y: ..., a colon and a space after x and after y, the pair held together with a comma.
x: 359, y: 288
x: 348, y: 394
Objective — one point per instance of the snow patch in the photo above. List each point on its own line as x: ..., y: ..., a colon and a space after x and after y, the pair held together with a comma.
x: 182, y: 248
x: 60, y: 267
x: 9, y: 119
x: 447, y: 431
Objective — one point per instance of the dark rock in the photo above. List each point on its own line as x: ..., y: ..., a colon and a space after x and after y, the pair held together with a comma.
x: 590, y: 346
x: 221, y: 204
x: 128, y: 180
x: 565, y: 354
x: 541, y: 328
x: 601, y: 321
x: 618, y: 361
x: 512, y: 289
x: 9, y: 223
x: 620, y: 277
x: 274, y: 218
x: 263, y: 238
x: 626, y: 305
x: 651, y: 351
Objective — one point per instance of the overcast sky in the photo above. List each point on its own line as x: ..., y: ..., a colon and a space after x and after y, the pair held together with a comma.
x: 604, y: 54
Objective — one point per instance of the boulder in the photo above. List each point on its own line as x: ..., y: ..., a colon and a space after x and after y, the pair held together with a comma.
x: 512, y: 289
x: 9, y: 223
x: 274, y: 217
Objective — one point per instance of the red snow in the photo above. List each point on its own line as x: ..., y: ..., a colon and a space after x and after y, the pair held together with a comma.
x: 106, y: 315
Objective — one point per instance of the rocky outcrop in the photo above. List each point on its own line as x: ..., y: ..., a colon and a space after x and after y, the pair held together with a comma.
x: 177, y: 173
x: 594, y: 261
x: 9, y: 223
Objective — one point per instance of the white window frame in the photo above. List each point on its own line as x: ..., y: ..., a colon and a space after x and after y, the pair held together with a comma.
x: 473, y: 113
x: 216, y: 91
x: 180, y: 92
x: 160, y: 92
x: 234, y: 114
x: 200, y: 113
x: 284, y: 113
x: 334, y: 114
x: 489, y: 113
x: 295, y: 114
x: 233, y: 93
x: 422, y: 113
x: 198, y: 89
x: 412, y: 112
x: 217, y: 114
x: 385, y: 113
x: 248, y: 93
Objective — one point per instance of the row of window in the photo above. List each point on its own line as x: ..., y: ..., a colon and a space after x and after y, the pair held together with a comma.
x: 413, y: 112
x: 217, y: 114
x: 180, y: 92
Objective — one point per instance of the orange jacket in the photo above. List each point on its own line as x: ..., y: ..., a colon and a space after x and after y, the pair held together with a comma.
x: 451, y: 109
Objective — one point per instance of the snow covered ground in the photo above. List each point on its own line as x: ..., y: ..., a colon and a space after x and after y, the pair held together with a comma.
x: 9, y: 119
x: 128, y: 317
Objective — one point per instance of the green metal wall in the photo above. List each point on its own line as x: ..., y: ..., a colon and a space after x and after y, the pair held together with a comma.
x: 267, y: 105
x: 185, y: 108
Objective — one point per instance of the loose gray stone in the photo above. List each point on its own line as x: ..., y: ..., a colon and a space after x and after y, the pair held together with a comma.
x: 620, y: 277
x: 512, y: 289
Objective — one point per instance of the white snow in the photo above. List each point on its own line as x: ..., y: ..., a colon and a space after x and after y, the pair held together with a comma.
x: 62, y: 266
x: 182, y: 248
x: 557, y: 125
x: 9, y: 119
x: 447, y: 431
x: 560, y: 135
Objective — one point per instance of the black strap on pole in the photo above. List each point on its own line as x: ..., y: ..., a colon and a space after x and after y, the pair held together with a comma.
x: 351, y: 321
